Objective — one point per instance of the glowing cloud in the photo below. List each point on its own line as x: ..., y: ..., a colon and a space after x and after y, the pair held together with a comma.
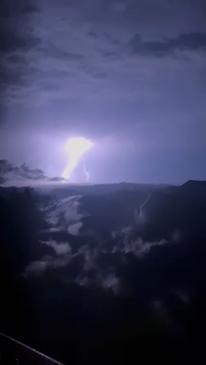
x: 75, y: 149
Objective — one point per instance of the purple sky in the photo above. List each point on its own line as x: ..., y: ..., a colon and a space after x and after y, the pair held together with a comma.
x: 128, y: 74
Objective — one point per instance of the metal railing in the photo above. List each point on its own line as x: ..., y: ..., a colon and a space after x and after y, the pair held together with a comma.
x: 14, y: 352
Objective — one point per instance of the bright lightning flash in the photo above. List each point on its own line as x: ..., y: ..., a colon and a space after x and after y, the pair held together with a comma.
x: 75, y: 149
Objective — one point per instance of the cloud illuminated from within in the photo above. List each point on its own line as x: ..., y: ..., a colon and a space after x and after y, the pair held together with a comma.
x: 75, y: 149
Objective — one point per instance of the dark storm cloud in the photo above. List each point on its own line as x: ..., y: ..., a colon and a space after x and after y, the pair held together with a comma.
x: 10, y: 8
x: 169, y: 46
x: 55, y: 52
x: 15, y: 29
x: 16, y: 40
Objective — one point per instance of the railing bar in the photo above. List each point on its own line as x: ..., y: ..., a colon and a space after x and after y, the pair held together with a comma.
x: 30, y: 349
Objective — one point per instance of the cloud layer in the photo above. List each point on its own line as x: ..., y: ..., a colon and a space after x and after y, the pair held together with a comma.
x: 193, y: 42
x: 121, y: 70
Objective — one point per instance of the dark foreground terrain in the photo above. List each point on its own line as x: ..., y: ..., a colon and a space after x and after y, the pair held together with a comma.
x: 106, y: 273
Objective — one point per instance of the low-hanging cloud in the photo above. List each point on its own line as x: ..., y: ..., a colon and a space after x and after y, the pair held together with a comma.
x: 60, y: 248
x: 47, y: 262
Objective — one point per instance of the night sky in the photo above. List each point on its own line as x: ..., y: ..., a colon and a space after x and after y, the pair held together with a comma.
x: 130, y: 75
